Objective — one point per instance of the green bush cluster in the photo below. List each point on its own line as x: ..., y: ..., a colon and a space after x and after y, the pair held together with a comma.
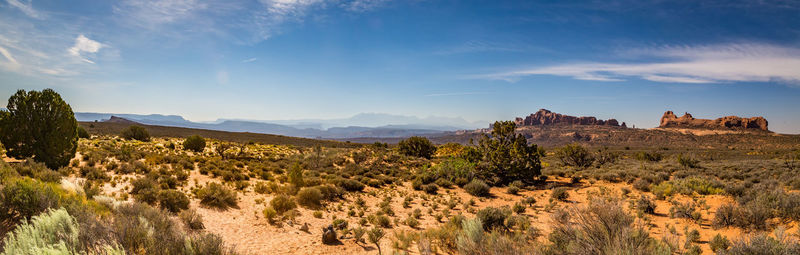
x: 194, y: 143
x: 216, y: 195
x: 135, y: 132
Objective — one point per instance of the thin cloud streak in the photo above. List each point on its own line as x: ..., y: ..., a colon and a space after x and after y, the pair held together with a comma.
x: 689, y: 64
x: 26, y: 8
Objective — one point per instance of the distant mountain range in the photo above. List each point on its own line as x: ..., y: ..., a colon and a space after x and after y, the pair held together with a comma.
x: 361, y: 125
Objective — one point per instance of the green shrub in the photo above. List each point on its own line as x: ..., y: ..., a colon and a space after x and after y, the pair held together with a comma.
x: 270, y: 214
x: 477, y: 188
x: 82, y: 133
x: 726, y: 215
x: 560, y: 194
x: 375, y: 235
x: 282, y: 203
x: 417, y: 146
x: 719, y: 243
x: 412, y: 222
x: 513, y: 190
x: 574, y: 155
x: 645, y: 205
x: 518, y: 208
x: 53, y: 232
x: 641, y: 185
x: 601, y: 227
x: 686, y: 210
x: 173, y: 200
x: 663, y: 190
x: 764, y: 244
x: 207, y: 243
x: 350, y: 185
x: 687, y: 161
x: 23, y: 198
x: 135, y: 133
x: 39, y: 125
x: 430, y: 188
x: 603, y: 156
x: 191, y: 219
x: 507, y: 157
x: 649, y: 156
x: 295, y: 175
x: 145, y: 190
x: 309, y: 197
x: 216, y: 195
x: 493, y: 218
x: 382, y: 221
x: 37, y: 170
x: 195, y: 143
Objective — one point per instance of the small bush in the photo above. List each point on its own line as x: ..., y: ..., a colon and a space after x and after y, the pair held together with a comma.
x: 518, y: 208
x: 574, y: 155
x: 649, y: 156
x: 412, y: 222
x: 493, y: 218
x: 82, y: 133
x: 513, y: 190
x: 719, y: 243
x: 24, y: 198
x: 560, y: 194
x: 764, y: 244
x: 645, y: 205
x: 417, y: 146
x: 54, y: 232
x: 195, y: 143
x: 686, y: 210
x: 641, y: 185
x: 350, y: 185
x: 430, y: 188
x: 282, y: 204
x: 687, y: 161
x: 216, y: 195
x: 191, y: 219
x: 135, y: 133
x: 309, y: 197
x: 270, y: 214
x: 477, y: 188
x: 173, y: 200
x: 726, y: 216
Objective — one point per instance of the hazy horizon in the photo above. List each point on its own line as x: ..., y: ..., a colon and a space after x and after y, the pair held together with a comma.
x: 477, y: 60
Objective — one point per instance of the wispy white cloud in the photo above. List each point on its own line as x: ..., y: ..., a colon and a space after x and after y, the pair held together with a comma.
x: 84, y: 44
x: 364, y: 5
x: 249, y: 60
x: 27, y: 8
x: 245, y: 21
x: 150, y: 13
x: 744, y: 62
x: 8, y: 56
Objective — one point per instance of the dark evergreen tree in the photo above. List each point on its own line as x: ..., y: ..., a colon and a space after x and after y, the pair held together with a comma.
x: 507, y: 157
x: 39, y: 125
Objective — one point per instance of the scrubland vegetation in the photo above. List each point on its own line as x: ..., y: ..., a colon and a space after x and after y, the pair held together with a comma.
x: 134, y: 192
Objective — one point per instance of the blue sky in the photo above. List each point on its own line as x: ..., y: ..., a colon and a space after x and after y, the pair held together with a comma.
x: 480, y: 60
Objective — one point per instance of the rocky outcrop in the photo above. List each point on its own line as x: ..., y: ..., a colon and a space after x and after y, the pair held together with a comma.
x: 115, y: 119
x: 545, y: 117
x: 670, y: 120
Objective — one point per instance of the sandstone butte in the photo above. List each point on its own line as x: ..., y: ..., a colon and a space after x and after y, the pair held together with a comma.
x: 669, y: 120
x: 545, y: 117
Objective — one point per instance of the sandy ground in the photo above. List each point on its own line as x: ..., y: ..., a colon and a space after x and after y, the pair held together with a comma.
x: 249, y: 232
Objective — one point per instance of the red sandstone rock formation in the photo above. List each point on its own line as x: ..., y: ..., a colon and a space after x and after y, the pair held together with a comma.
x: 546, y: 117
x: 728, y: 122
